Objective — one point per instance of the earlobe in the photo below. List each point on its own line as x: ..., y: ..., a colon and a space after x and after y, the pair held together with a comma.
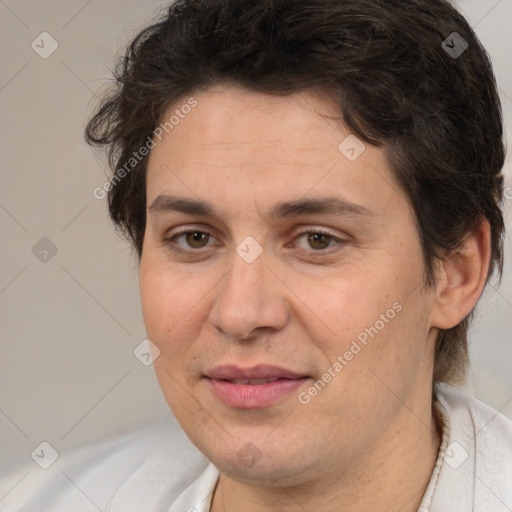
x: 461, y: 278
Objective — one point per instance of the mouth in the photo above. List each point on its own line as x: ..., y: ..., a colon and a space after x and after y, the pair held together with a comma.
x: 253, y: 388
x: 251, y: 382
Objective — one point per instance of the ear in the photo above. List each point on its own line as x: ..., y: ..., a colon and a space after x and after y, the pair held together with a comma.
x: 461, y: 279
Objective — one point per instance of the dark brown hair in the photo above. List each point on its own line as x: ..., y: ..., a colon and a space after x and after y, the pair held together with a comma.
x: 435, y: 113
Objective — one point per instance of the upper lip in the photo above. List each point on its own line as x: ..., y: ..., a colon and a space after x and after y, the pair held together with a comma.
x: 261, y: 371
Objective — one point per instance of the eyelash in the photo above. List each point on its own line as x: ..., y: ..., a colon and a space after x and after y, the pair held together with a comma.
x: 169, y: 241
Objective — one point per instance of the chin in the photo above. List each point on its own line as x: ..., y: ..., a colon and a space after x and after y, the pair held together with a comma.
x: 264, y: 462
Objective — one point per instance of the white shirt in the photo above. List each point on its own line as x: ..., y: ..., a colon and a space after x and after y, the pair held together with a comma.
x: 157, y: 469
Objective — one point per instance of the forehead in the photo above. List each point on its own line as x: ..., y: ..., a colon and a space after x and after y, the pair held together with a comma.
x: 236, y: 144
x: 237, y: 123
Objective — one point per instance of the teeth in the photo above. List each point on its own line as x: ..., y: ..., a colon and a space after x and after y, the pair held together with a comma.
x: 252, y: 382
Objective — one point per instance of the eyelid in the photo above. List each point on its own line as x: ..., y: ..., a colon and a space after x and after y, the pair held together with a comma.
x: 323, y: 231
x: 169, y: 240
x: 315, y: 229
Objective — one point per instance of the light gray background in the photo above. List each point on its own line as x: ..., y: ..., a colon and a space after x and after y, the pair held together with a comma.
x: 69, y: 325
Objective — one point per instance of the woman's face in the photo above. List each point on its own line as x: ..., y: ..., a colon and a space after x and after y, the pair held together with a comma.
x: 282, y: 281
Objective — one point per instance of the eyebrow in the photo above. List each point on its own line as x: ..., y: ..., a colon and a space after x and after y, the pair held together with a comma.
x: 281, y: 210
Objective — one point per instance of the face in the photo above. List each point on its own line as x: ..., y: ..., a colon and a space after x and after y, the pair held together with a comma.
x: 282, y: 281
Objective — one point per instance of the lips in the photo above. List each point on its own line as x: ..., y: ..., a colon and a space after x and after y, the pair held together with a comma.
x: 259, y: 372
x: 251, y: 382
x: 253, y: 388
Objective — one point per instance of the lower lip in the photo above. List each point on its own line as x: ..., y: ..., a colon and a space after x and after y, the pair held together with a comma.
x: 254, y: 396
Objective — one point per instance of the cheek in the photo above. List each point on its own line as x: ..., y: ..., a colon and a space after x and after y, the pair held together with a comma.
x: 341, y: 306
x: 378, y: 344
x: 375, y: 314
x: 168, y: 302
x: 170, y: 308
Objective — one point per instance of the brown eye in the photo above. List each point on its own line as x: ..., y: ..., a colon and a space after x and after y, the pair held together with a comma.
x: 319, y: 241
x: 196, y: 239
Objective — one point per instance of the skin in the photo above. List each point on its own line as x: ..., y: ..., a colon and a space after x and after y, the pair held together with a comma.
x: 368, y: 440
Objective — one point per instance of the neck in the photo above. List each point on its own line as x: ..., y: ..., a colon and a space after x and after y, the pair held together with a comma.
x: 393, y: 474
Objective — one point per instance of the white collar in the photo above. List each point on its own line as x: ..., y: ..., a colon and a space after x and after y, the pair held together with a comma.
x: 198, y: 496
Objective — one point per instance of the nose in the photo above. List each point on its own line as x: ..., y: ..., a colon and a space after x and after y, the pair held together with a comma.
x: 250, y: 298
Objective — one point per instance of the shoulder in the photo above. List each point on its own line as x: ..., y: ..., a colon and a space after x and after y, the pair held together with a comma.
x: 477, y: 461
x: 489, y: 425
x: 140, y: 470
